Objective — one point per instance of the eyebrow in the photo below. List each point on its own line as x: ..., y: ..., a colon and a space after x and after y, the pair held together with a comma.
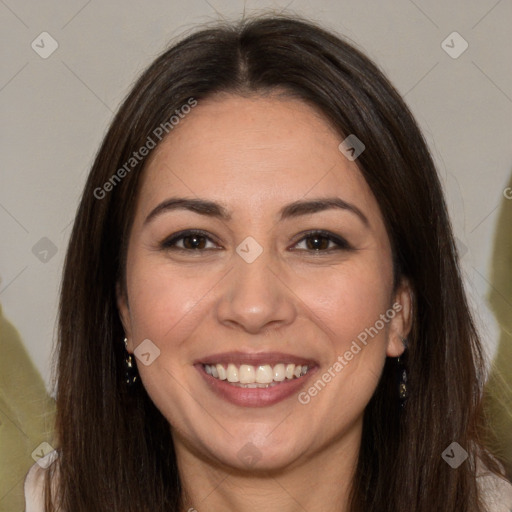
x: 292, y: 210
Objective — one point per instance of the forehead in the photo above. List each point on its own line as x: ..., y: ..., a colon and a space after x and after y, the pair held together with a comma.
x: 253, y: 154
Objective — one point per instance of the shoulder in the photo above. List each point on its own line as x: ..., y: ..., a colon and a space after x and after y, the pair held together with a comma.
x: 34, y: 486
x: 34, y: 489
x: 496, y: 492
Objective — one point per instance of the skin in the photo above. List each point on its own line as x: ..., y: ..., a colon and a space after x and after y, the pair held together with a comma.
x: 254, y: 155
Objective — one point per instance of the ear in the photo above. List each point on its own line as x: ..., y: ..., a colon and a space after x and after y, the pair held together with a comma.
x: 124, y: 314
x: 400, y: 324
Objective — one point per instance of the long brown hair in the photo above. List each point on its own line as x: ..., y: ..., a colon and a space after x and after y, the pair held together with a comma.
x: 116, y: 451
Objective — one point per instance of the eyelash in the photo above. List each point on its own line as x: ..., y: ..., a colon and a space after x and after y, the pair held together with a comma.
x: 342, y: 244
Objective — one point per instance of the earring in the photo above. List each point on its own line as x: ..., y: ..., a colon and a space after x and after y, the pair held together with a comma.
x: 130, y: 368
x: 403, y: 391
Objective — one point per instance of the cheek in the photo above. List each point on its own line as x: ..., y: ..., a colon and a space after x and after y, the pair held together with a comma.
x: 166, y: 307
x: 163, y: 299
x: 349, y: 299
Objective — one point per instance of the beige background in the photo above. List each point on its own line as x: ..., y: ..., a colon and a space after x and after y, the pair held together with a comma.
x: 56, y: 110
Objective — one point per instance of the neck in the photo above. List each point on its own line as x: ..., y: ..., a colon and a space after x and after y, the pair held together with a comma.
x: 317, y: 482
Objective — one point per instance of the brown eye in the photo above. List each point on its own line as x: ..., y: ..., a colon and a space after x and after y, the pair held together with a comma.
x: 323, y: 241
x: 190, y: 241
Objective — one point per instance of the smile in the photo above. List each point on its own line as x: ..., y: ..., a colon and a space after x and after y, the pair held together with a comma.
x: 251, y: 376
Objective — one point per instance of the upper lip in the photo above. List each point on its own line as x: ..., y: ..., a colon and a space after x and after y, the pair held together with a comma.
x: 254, y: 358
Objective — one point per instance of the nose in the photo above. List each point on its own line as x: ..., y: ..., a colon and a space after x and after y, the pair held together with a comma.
x: 255, y: 297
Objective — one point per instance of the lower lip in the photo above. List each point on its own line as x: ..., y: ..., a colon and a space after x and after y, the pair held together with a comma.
x: 255, y: 397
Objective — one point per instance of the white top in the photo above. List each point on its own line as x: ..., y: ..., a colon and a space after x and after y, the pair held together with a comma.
x: 497, y: 492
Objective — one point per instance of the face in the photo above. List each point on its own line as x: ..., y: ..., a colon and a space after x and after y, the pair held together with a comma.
x: 244, y: 281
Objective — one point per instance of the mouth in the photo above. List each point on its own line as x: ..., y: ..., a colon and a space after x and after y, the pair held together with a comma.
x: 251, y: 377
x: 255, y: 380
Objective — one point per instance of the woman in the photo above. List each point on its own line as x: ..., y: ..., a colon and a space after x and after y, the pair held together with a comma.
x: 261, y: 303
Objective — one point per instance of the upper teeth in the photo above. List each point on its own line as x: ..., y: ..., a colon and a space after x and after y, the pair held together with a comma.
x: 249, y: 374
